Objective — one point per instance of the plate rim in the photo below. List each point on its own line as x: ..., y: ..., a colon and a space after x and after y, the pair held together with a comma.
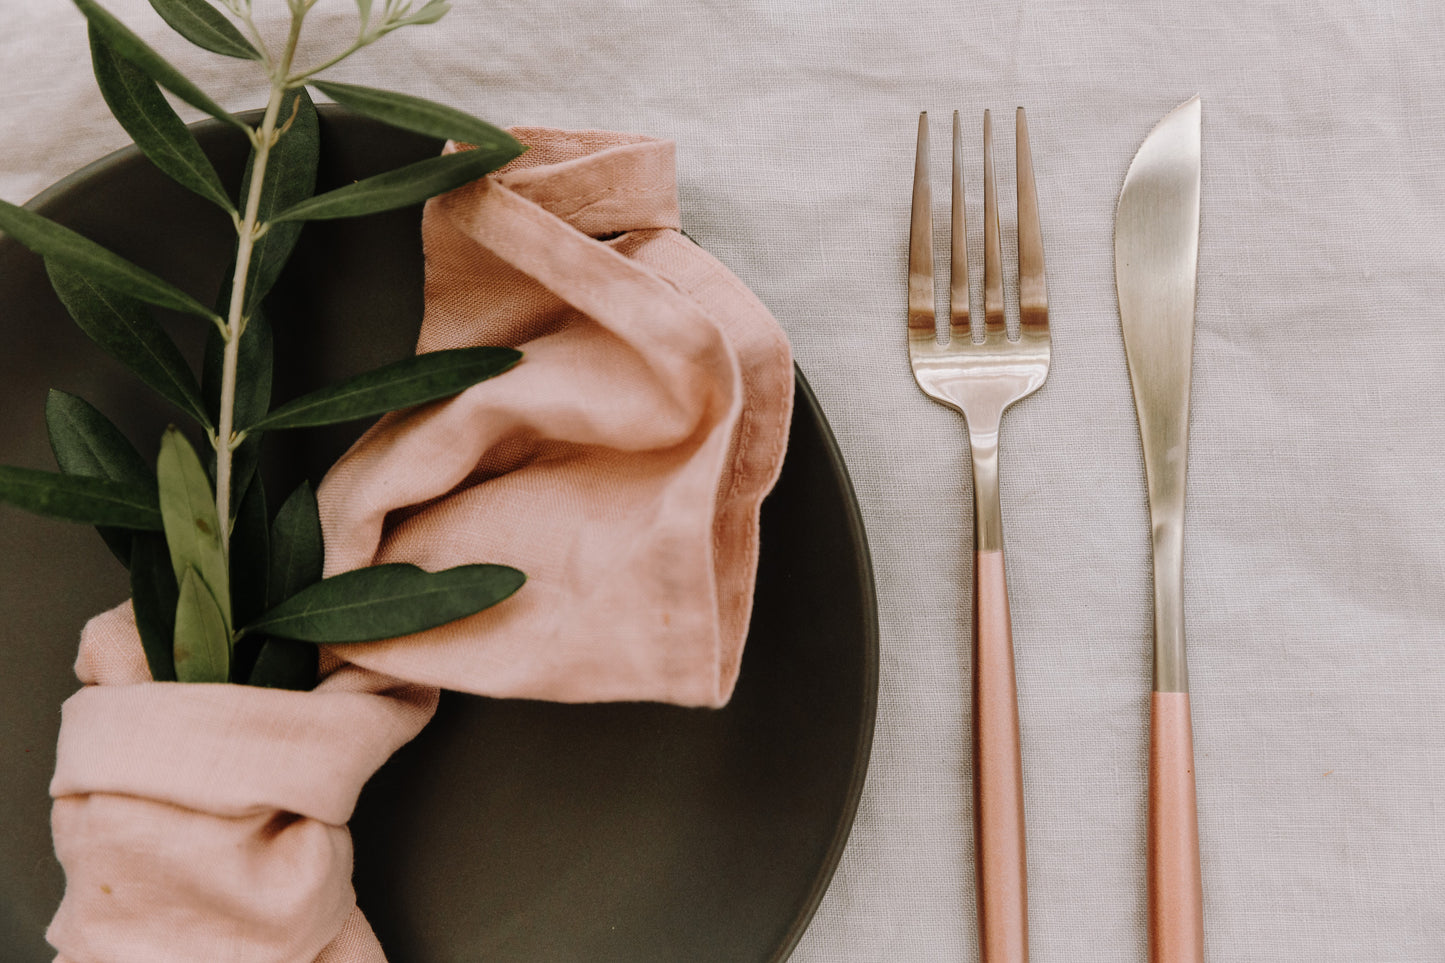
x: 863, y: 749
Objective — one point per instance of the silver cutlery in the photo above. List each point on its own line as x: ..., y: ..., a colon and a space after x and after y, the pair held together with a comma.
x: 1156, y: 252
x: 980, y: 380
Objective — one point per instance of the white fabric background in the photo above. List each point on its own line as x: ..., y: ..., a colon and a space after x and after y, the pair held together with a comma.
x: 1315, y: 548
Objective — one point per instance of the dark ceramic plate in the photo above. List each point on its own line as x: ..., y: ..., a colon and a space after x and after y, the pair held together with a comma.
x: 521, y: 831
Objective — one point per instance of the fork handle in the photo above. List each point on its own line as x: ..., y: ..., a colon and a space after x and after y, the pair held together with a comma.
x: 1176, y: 892
x: 998, y: 785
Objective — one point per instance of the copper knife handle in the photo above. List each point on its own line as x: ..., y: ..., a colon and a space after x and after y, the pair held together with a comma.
x: 1176, y: 892
x: 998, y: 785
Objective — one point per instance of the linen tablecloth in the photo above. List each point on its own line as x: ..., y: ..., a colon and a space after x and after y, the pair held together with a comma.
x: 1315, y: 545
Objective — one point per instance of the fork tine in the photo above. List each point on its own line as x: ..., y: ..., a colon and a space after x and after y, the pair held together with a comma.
x: 960, y: 327
x: 1033, y: 292
x: 920, y: 247
x: 993, y: 316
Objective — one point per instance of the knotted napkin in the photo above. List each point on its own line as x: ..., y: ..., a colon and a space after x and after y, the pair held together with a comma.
x: 621, y: 465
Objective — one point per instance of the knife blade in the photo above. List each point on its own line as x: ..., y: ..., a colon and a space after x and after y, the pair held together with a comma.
x: 1156, y: 254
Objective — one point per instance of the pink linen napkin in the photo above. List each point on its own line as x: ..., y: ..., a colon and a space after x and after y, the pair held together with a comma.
x: 621, y: 465
x: 208, y: 822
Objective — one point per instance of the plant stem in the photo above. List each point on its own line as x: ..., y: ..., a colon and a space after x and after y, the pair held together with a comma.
x: 236, y: 318
x: 296, y: 80
x: 257, y: 41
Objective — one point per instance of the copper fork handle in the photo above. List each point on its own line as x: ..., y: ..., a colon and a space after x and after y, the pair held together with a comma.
x: 1176, y: 894
x: 998, y: 785
x: 980, y: 379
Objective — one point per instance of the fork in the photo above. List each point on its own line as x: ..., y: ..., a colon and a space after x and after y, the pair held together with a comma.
x: 980, y: 380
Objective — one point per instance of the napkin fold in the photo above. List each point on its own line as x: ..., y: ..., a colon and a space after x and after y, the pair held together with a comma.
x: 621, y: 465
x: 208, y: 822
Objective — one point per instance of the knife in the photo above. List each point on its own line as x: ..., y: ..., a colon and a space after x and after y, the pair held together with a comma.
x: 1156, y: 254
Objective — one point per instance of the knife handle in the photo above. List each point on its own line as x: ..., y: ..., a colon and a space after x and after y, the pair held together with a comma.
x: 1176, y: 892
x: 998, y: 784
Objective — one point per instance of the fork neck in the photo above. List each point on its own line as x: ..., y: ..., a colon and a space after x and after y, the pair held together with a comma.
x: 987, y: 511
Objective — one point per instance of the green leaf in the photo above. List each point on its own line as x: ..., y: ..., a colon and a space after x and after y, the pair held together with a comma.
x: 433, y: 11
x: 363, y: 7
x: 386, y: 601
x: 286, y: 664
x: 245, y: 463
x: 153, y: 596
x: 297, y: 549
x: 94, y: 501
x: 422, y: 116
x: 204, y: 26
x: 138, y: 52
x: 251, y: 554
x: 61, y: 245
x: 402, y: 187
x: 126, y: 331
x: 412, y: 381
x: 203, y: 642
x: 297, y: 557
x: 85, y: 443
x: 290, y: 179
x: 250, y: 570
x: 188, y: 508
x: 148, y: 117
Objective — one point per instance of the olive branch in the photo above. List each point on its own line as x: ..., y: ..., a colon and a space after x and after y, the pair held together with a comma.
x: 223, y: 589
